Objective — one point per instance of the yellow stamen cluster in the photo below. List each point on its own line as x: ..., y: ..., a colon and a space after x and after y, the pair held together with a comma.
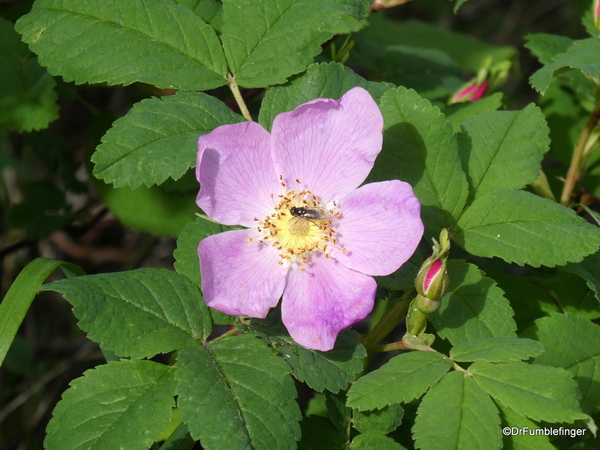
x: 294, y: 236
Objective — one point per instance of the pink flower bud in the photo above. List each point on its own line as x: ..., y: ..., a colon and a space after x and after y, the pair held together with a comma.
x: 480, y: 91
x: 382, y: 4
x: 470, y: 92
x: 464, y: 93
x: 432, y: 280
x: 596, y: 13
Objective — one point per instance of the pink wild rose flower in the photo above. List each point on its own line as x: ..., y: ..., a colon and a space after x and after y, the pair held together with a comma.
x: 312, y: 234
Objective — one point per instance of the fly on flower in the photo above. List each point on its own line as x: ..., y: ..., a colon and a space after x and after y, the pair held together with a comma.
x: 313, y: 237
x: 309, y: 213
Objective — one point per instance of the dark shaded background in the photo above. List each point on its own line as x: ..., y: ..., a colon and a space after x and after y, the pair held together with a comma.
x: 50, y: 350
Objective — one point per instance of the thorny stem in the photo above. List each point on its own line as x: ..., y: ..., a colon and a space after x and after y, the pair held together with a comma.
x: 235, y: 89
x: 579, y: 156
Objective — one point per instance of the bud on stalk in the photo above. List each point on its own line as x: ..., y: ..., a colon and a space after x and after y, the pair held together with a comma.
x: 432, y: 283
x: 432, y: 280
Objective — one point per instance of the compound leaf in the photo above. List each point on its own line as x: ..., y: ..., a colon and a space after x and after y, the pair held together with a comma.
x: 330, y: 80
x: 420, y: 147
x: 572, y: 342
x: 496, y: 350
x: 124, y: 404
x: 474, y: 308
x: 503, y: 149
x: 138, y: 313
x: 417, y: 372
x: 521, y: 227
x: 582, y: 55
x: 158, y: 139
x: 235, y: 394
x: 531, y: 390
x: 463, y: 414
x: 124, y: 41
x: 266, y: 41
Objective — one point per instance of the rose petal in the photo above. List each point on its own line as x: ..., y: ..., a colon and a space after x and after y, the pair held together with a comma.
x: 236, y: 174
x: 323, y: 300
x: 237, y: 278
x: 329, y: 145
x: 380, y: 226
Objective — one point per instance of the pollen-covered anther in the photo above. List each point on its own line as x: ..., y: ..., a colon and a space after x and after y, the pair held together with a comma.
x: 299, y: 226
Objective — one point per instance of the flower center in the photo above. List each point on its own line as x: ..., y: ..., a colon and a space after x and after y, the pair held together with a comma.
x: 298, y: 226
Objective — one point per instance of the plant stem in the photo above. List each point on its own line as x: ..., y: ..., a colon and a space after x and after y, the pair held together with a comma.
x: 390, y: 319
x: 400, y: 345
x: 235, y: 89
x: 578, y: 159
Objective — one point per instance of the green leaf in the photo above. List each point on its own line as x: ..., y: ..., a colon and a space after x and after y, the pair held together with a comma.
x: 471, y: 54
x: 178, y: 439
x: 187, y: 262
x: 266, y: 41
x: 516, y: 288
x: 30, y: 103
x: 496, y: 350
x: 158, y: 139
x: 474, y: 308
x: 337, y: 410
x: 572, y: 342
x: 546, y: 46
x: 420, y: 147
x: 235, y: 394
x: 457, y: 413
x: 211, y: 11
x: 124, y: 404
x: 381, y: 421
x: 458, y: 4
x: 589, y: 270
x: 569, y: 293
x: 138, y: 313
x: 331, y: 370
x: 518, y: 441
x: 318, y: 433
x: 582, y: 55
x: 460, y: 112
x: 356, y: 8
x: 374, y: 441
x: 503, y: 149
x: 404, y: 378
x: 520, y: 227
x: 429, y: 71
x: 531, y: 390
x: 152, y: 41
x: 18, y: 299
x: 149, y: 209
x: 319, y: 81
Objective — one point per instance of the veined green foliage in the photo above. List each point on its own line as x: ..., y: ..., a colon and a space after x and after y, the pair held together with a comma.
x: 126, y: 403
x: 245, y: 398
x: 121, y: 42
x: 158, y: 139
x: 30, y: 102
x: 520, y: 227
x: 138, y: 313
x: 420, y: 147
